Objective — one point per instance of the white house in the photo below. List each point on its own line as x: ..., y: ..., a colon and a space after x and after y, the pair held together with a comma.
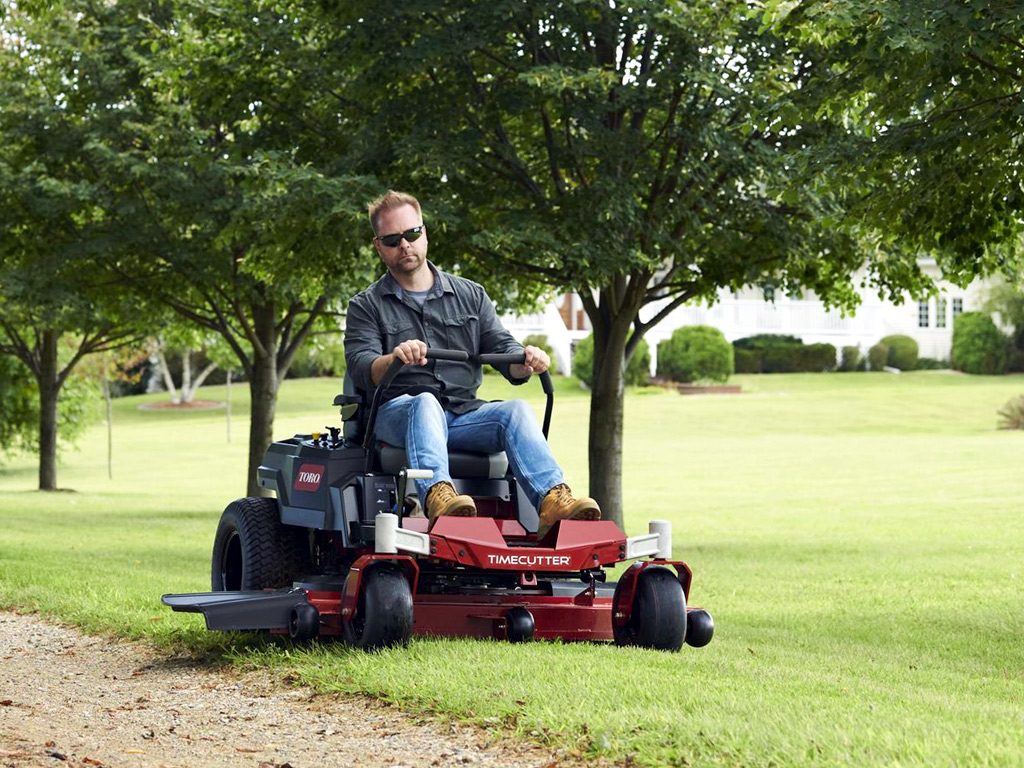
x: 749, y: 312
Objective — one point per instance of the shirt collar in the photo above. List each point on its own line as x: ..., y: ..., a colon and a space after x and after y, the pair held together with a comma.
x: 442, y: 283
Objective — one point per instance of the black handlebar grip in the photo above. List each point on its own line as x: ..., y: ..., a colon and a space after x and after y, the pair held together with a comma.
x: 456, y: 355
x: 513, y: 358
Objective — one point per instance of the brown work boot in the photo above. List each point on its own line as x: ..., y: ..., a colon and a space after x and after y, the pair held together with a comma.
x: 443, y: 500
x: 559, y: 504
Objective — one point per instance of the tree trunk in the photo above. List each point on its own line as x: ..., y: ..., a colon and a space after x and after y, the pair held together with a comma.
x: 263, y: 385
x: 186, y: 375
x: 165, y: 372
x: 263, y: 390
x: 606, y: 420
x: 49, y: 389
x: 198, y: 381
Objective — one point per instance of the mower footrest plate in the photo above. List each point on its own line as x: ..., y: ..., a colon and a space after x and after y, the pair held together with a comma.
x: 240, y: 610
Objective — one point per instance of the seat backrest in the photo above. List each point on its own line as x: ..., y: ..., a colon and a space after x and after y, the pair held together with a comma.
x: 353, y: 428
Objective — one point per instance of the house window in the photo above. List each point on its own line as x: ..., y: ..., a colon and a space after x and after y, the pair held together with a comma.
x: 940, y: 313
x: 922, y: 314
x: 958, y: 307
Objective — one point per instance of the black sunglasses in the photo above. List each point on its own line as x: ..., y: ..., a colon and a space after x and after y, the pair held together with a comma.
x: 410, y: 235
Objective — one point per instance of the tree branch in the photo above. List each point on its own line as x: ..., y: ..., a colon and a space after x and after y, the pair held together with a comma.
x: 993, y: 67
x: 19, y: 348
x: 286, y: 352
x: 677, y: 301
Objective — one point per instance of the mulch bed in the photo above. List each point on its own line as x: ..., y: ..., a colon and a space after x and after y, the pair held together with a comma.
x: 195, y: 405
x: 696, y: 389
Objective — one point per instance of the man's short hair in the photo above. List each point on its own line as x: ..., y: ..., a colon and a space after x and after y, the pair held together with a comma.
x: 390, y: 200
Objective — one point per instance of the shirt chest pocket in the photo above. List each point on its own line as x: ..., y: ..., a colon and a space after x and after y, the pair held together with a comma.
x: 397, y: 332
x: 463, y: 333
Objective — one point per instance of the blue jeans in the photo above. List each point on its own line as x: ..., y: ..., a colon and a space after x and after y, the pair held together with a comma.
x: 426, y: 431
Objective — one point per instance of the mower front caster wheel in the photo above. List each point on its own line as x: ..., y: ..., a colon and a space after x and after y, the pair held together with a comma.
x: 383, y: 616
x: 657, y: 618
x: 519, y: 625
x: 304, y: 622
x: 700, y: 628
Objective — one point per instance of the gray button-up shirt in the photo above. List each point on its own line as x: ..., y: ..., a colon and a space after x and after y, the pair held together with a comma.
x: 456, y: 315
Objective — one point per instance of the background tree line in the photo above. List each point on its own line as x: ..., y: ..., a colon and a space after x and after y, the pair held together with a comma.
x: 211, y: 164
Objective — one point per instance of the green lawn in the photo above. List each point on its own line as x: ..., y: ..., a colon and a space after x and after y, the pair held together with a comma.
x: 858, y: 538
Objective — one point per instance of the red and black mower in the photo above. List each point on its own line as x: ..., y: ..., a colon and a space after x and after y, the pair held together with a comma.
x: 338, y: 552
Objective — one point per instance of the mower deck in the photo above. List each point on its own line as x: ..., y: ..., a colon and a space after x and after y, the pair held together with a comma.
x: 467, y: 577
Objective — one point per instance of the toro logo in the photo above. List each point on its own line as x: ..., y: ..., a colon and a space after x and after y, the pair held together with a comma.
x: 308, y: 477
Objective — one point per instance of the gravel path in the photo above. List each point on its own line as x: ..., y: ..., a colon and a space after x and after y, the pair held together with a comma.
x: 68, y: 699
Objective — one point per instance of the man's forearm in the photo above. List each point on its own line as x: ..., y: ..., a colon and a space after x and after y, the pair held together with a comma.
x: 519, y: 371
x: 379, y: 367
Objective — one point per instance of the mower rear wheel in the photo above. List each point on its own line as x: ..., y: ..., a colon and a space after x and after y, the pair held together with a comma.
x: 383, y: 616
x: 253, y: 550
x: 658, y: 615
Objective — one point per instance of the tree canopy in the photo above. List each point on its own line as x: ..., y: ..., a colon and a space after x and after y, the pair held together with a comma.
x: 921, y: 105
x: 57, y: 302
x: 211, y: 164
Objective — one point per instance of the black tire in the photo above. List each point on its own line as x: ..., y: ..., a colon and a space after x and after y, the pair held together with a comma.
x: 658, y: 616
x: 304, y: 622
x: 383, y: 616
x: 520, y: 625
x: 253, y: 550
x: 700, y: 628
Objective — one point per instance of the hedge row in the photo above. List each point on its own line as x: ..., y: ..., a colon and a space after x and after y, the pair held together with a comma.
x: 770, y: 353
x: 701, y: 353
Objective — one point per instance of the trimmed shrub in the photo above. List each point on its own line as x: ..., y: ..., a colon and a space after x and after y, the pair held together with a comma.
x: 696, y: 353
x: 978, y: 345
x: 774, y: 353
x: 931, y: 364
x: 637, y: 372
x: 878, y: 356
x: 766, y: 353
x: 766, y: 340
x: 747, y: 360
x: 817, y: 358
x: 903, y: 352
x: 852, y: 360
x: 1015, y: 360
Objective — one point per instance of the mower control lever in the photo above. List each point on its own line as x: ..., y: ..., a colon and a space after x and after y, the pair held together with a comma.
x: 545, y: 380
x: 403, y: 480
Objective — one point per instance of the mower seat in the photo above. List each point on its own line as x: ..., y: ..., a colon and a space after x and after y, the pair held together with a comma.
x: 392, y: 459
x: 491, y: 466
